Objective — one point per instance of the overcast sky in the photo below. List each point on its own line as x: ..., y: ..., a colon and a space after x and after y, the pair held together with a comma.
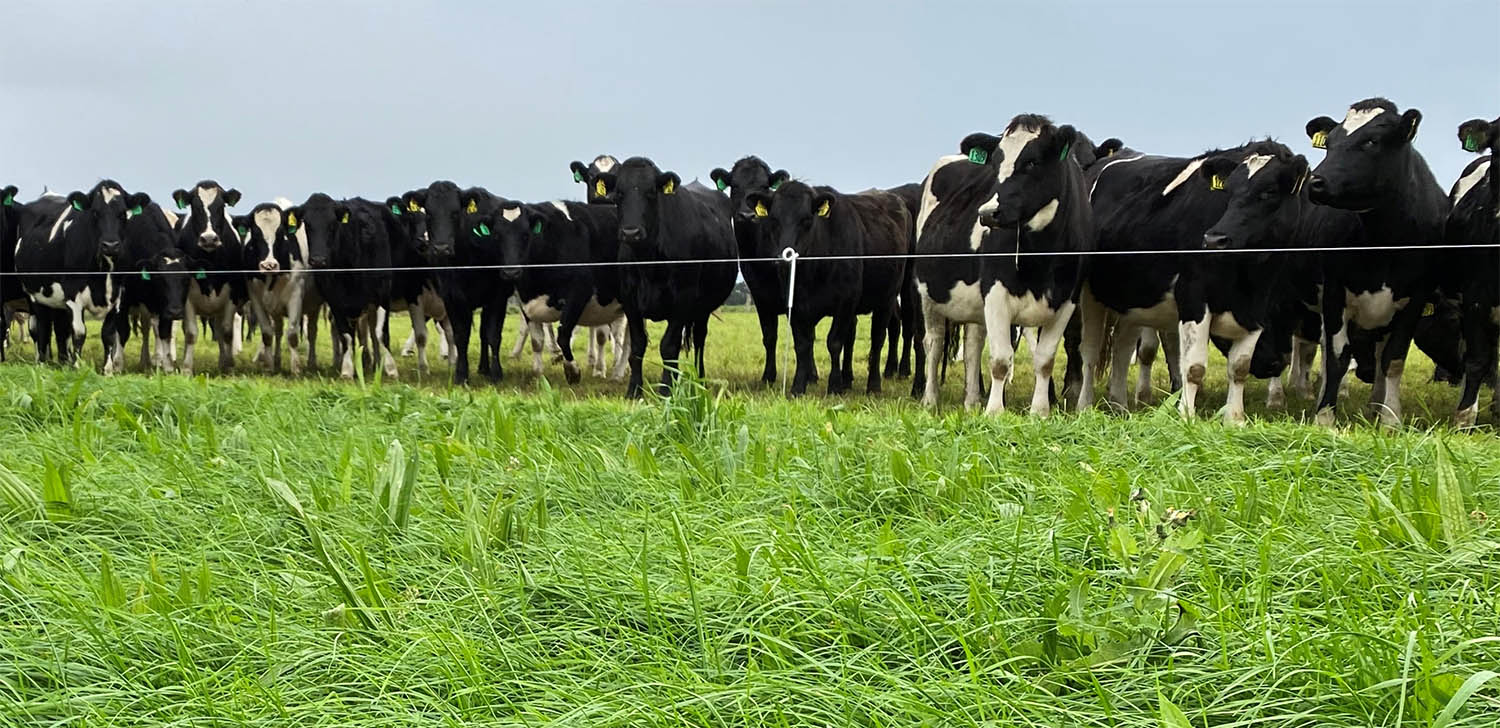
x: 282, y: 98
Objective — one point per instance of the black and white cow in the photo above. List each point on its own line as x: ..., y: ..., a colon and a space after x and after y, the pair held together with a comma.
x: 417, y: 290
x: 155, y: 284
x: 283, y: 297
x: 588, y: 176
x: 80, y: 239
x: 559, y: 236
x: 866, y: 230
x: 455, y: 241
x: 750, y: 176
x: 1475, y: 220
x: 1372, y: 168
x: 214, y: 255
x: 12, y: 297
x: 663, y: 220
x: 349, y: 246
x: 1038, y: 206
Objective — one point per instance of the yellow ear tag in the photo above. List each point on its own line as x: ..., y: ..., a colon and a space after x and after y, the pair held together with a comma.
x: 600, y: 190
x: 291, y: 219
x: 345, y: 219
x: 760, y: 210
x: 1320, y: 140
x: 669, y: 188
x: 412, y: 206
x: 823, y: 209
x: 1429, y: 310
x: 1217, y: 183
x: 472, y: 208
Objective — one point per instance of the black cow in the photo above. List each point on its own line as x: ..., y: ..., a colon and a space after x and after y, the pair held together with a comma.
x: 352, y: 234
x: 1147, y: 203
x: 12, y: 297
x: 588, y: 175
x: 1371, y: 168
x: 155, y: 284
x: 456, y: 240
x: 820, y: 221
x: 417, y: 290
x: 749, y: 176
x: 80, y: 238
x: 1475, y: 219
x: 559, y: 235
x: 1038, y: 205
x: 663, y: 220
x: 281, y: 292
x: 215, y: 256
x: 906, y: 324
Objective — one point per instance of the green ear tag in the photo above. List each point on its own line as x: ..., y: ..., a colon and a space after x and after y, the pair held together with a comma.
x: 242, y: 230
x: 396, y: 210
x: 577, y: 176
x: 200, y: 275
x: 482, y: 231
x: 536, y: 228
x: 978, y: 156
x: 135, y: 211
x: 145, y: 276
x: 719, y: 183
x: 78, y: 205
x: 1471, y: 144
x: 1064, y: 155
x: 181, y: 203
x: 8, y: 201
x: 774, y: 185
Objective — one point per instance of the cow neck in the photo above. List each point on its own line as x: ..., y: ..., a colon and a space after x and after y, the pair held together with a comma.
x: 81, y: 250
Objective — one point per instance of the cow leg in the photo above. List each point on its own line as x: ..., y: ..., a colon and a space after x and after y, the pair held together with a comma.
x: 40, y: 329
x: 598, y: 351
x: 804, y: 334
x: 620, y: 332
x: 344, y: 336
x: 881, y: 324
x: 1303, y: 352
x: 382, y: 337
x: 190, y: 325
x: 1125, y: 338
x: 1393, y: 361
x: 1044, y: 358
x: 463, y: 328
x: 1194, y: 337
x: 312, y: 317
x: 1146, y: 348
x: 638, y: 344
x: 892, y: 332
x: 62, y: 333
x: 700, y: 345
x: 419, y: 333
x: 538, y: 337
x: 491, y: 322
x: 521, y: 339
x: 1336, y: 351
x: 1091, y: 315
x: 568, y: 324
x: 835, y: 345
x: 237, y: 341
x: 671, y: 351
x: 228, y: 336
x: 1481, y: 334
x: 1239, y: 356
x: 934, y: 339
x: 997, y: 322
x: 409, y: 347
x: 445, y: 343
x: 266, y: 357
x: 973, y: 362
x: 1171, y: 348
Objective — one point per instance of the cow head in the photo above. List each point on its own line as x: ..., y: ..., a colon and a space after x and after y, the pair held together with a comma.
x: 796, y: 213
x: 408, y: 208
x: 749, y: 175
x: 104, y: 210
x: 1264, y: 187
x: 1366, y: 154
x: 1475, y: 135
x: 443, y: 213
x: 638, y: 187
x: 208, y: 223
x: 513, y: 229
x: 167, y: 271
x: 1032, y: 165
x: 589, y: 176
x: 268, y: 246
x: 319, y: 220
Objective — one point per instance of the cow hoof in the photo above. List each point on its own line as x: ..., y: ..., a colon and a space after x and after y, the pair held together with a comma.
x: 571, y: 373
x: 1324, y: 418
x: 1276, y: 401
x: 1466, y: 418
x: 1235, y: 420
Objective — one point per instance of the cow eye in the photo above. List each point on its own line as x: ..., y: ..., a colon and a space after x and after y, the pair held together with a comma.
x: 1268, y: 194
x: 1369, y: 144
x: 1028, y: 165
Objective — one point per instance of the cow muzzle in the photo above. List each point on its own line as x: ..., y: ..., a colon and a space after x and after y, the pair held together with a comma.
x: 318, y: 262
x: 632, y: 234
x: 1216, y: 241
x: 270, y: 266
x: 510, y: 275
x: 110, y: 248
x: 209, y: 242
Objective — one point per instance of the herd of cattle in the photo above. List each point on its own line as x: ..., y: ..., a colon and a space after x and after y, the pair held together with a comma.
x: 1061, y: 225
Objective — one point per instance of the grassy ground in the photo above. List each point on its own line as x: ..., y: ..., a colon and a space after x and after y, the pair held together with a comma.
x: 176, y: 549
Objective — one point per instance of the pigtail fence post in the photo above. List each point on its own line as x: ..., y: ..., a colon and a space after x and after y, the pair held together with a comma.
x: 790, y: 256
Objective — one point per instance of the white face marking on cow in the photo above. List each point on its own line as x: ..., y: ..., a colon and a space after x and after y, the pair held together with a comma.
x: 1468, y: 181
x: 171, y: 261
x: 1010, y: 147
x: 510, y: 213
x: 1255, y: 162
x: 1183, y: 176
x: 207, y: 195
x: 267, y: 221
x: 563, y: 209
x: 110, y: 193
x: 604, y: 163
x: 172, y: 218
x: 1357, y: 118
x: 930, y: 200
x: 1043, y: 217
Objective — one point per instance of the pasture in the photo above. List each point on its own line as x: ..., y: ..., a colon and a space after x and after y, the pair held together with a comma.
x: 258, y: 550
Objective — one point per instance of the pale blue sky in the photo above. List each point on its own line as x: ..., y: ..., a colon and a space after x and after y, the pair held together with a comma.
x: 282, y: 98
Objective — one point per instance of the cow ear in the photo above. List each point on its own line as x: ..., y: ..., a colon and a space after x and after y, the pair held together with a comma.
x: 604, y: 185
x: 231, y: 197
x: 1216, y: 170
x: 978, y: 146
x: 1476, y: 135
x: 292, y: 218
x: 342, y: 213
x: 180, y: 197
x: 394, y: 205
x: 668, y: 183
x: 414, y: 201
x: 1317, y: 131
x: 1062, y: 142
x: 1410, y: 120
x: 822, y: 204
x: 1109, y: 148
x: 759, y: 204
x: 79, y: 200
x: 777, y: 178
x: 137, y: 199
x: 1295, y: 175
x: 241, y: 225
x: 720, y: 178
x: 8, y: 195
x: 469, y: 201
x: 580, y: 171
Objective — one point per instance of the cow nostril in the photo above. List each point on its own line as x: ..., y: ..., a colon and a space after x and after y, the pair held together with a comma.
x: 1215, y: 240
x: 631, y: 233
x: 1317, y: 184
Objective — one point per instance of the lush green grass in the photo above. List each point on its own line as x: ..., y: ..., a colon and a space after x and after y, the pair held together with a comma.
x: 726, y: 558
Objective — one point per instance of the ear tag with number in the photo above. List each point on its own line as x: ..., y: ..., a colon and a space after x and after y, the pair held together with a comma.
x: 760, y: 210
x: 1320, y: 140
x: 181, y: 203
x: 669, y: 188
x: 823, y: 209
x: 472, y: 208
x: 482, y: 231
x: 1064, y: 155
x: 9, y: 200
x: 1217, y: 183
x: 775, y: 184
x: 291, y: 220
x: 577, y: 176
x: 200, y: 275
x: 396, y: 210
x: 600, y: 190
x: 133, y: 212
x: 344, y: 220
x: 1471, y: 144
x: 536, y: 228
x: 719, y: 183
x: 412, y: 206
x: 78, y: 205
x: 978, y: 155
x: 145, y: 275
